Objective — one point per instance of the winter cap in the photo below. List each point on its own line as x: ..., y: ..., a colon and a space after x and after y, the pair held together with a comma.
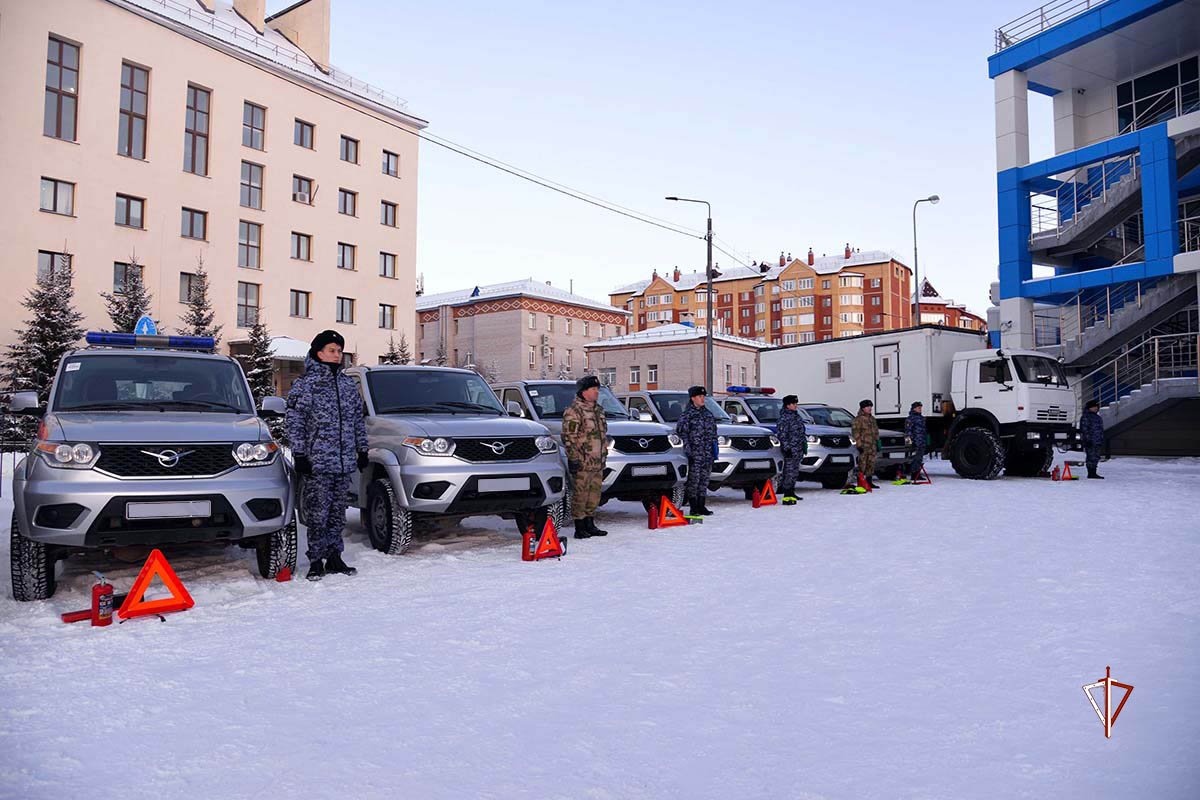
x: 916, y: 405
x: 325, y: 338
x: 866, y: 404
x: 789, y: 399
x: 696, y: 391
x: 585, y: 383
x: 1092, y: 404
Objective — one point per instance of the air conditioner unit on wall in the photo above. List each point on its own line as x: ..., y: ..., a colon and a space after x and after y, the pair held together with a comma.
x: 302, y: 197
x: 545, y: 351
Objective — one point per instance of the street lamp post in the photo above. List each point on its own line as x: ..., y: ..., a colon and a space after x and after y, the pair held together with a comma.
x: 932, y: 200
x: 708, y: 277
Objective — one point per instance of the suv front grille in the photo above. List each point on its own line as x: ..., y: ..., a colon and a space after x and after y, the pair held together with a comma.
x: 1052, y: 414
x: 750, y: 443
x: 835, y: 441
x: 641, y: 444
x: 195, y: 460
x: 497, y: 449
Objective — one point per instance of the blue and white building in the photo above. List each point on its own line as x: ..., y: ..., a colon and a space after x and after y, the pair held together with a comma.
x: 1100, y: 244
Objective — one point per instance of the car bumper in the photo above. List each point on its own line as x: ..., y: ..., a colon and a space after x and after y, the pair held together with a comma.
x: 450, y: 486
x: 742, y: 468
x: 818, y: 463
x: 645, y: 476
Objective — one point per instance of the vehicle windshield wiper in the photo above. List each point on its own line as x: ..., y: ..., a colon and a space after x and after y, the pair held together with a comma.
x: 471, y: 406
x: 112, y: 406
x: 206, y: 404
x: 410, y: 409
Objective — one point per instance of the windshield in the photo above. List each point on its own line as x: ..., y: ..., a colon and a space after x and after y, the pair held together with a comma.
x: 671, y: 405
x: 765, y: 409
x: 830, y: 416
x: 160, y: 382
x: 1039, y: 369
x: 550, y: 400
x: 419, y: 391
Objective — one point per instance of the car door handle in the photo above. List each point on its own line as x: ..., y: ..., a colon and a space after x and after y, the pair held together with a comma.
x: 978, y: 397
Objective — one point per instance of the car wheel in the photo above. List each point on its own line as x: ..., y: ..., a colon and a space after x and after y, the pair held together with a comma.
x: 277, y: 551
x: 977, y: 454
x: 560, y: 512
x: 679, y: 495
x: 389, y: 525
x: 32, y: 567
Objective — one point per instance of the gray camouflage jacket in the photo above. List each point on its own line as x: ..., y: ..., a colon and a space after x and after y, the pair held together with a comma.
x: 325, y: 418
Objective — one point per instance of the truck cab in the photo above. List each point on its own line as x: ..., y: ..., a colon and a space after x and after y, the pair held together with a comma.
x: 645, y: 459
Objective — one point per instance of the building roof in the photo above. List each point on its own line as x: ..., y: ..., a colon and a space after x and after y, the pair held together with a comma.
x: 930, y: 296
x: 523, y: 288
x: 673, y: 333
x: 825, y: 265
x: 225, y: 27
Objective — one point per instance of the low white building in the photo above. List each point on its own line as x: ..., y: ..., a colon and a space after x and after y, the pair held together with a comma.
x: 673, y: 357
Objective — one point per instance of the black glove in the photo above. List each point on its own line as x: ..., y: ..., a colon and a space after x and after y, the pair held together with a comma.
x: 574, y: 466
x: 363, y: 461
x: 303, y: 465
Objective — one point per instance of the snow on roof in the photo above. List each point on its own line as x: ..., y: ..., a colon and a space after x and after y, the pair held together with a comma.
x: 524, y: 288
x: 675, y: 332
x: 931, y: 296
x: 284, y: 348
x: 226, y: 26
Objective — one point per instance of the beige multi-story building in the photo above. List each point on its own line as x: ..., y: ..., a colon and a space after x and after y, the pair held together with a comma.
x: 795, y: 301
x: 673, y: 356
x: 163, y: 133
x: 514, y: 331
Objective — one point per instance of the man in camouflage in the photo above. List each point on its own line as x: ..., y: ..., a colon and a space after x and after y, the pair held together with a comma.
x: 698, y: 429
x: 865, y: 432
x: 793, y: 441
x: 1091, y: 432
x: 585, y: 435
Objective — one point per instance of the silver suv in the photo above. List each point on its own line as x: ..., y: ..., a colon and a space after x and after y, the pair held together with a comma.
x: 442, y: 448
x: 645, y: 460
x: 143, y: 448
x: 893, y: 453
x: 747, y: 456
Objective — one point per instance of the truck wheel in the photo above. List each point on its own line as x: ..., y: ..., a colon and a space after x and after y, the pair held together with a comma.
x: 389, y: 524
x: 1028, y: 464
x: 832, y: 481
x: 977, y: 453
x: 276, y: 551
x: 32, y: 567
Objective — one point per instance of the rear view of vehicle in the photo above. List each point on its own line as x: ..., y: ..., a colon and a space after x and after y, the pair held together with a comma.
x: 147, y: 447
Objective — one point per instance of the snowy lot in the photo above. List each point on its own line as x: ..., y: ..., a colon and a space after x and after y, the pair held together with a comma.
x: 918, y: 642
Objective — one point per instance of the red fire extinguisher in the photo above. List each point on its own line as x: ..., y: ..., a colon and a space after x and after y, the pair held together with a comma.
x: 102, y: 602
x: 528, y: 544
x: 1054, y: 476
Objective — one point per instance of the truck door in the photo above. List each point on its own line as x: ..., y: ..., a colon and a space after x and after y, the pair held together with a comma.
x: 887, y: 379
x: 989, y: 383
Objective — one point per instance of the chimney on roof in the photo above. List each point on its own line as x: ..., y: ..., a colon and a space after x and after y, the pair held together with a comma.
x: 781, y: 261
x: 849, y: 252
x: 654, y: 274
x: 811, y: 257
x: 789, y: 258
x: 253, y: 12
x: 305, y: 25
x: 677, y: 275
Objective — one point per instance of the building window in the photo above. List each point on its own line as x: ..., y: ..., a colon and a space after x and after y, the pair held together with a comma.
x: 345, y: 310
x: 876, y: 319
x: 567, y: 326
x: 254, y: 126
x: 195, y: 131
x: 849, y: 281
x: 302, y: 190
x: 850, y: 299
x: 249, y: 245
x: 875, y: 283
x: 298, y: 303
x: 302, y: 135
x: 247, y: 304
x: 533, y: 322
x: 789, y: 286
x: 252, y: 183
x: 567, y: 360
x: 346, y: 256
x: 652, y: 300
x: 387, y: 268
x: 608, y: 376
x: 824, y: 284
x: 121, y: 274
x: 301, y: 246
x: 1160, y: 95
x: 129, y: 211
x: 805, y: 283
x: 194, y: 224
x: 348, y: 202
x: 58, y: 197
x: 602, y: 333
x: 728, y: 374
x: 391, y: 164
x: 806, y: 319
x: 550, y: 323
x: 188, y: 282
x: 789, y: 302
x: 789, y: 338
x: 652, y: 373
x: 833, y: 371
x: 827, y: 301
x: 387, y: 213
x: 635, y: 375
x: 826, y: 320
x: 50, y: 263
x: 532, y: 356
x: 131, y: 125
x: 62, y: 90
x: 875, y: 301
x: 387, y: 316
x: 348, y: 150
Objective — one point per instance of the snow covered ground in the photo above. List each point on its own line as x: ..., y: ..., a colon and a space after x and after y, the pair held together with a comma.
x: 918, y: 642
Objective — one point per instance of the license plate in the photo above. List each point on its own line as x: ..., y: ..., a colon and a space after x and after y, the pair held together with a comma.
x: 758, y: 464
x: 171, y: 510
x: 639, y: 472
x: 504, y: 485
x: 1060, y: 436
x: 895, y: 454
x: 839, y: 459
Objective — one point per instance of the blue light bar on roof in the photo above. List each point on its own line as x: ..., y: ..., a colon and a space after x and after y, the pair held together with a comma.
x: 749, y: 390
x: 101, y: 339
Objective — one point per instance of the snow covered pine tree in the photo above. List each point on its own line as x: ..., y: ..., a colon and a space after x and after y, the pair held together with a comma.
x: 198, y: 319
x: 126, y: 306
x: 260, y: 372
x: 391, y: 356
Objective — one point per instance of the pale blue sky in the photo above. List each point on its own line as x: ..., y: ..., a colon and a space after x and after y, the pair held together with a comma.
x: 804, y: 124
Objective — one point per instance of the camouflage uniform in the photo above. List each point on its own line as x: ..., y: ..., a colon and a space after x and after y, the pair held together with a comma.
x: 793, y: 440
x: 1091, y: 432
x: 584, y: 431
x: 698, y: 429
x: 325, y: 424
x: 914, y: 429
x: 865, y: 431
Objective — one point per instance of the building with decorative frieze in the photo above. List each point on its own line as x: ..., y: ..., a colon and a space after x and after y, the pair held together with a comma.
x: 514, y: 331
x: 938, y: 310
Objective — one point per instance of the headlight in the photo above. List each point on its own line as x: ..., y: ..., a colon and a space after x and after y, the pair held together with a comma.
x: 674, y: 439
x: 774, y: 441
x: 430, y: 447
x: 546, y: 444
x: 67, y: 455
x: 255, y: 454
x: 722, y: 441
x: 813, y: 439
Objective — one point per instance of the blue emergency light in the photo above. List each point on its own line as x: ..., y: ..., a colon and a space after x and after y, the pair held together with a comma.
x: 100, y: 339
x: 749, y: 390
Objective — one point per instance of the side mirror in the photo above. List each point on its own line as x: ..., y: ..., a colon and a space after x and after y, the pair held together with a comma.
x: 26, y: 404
x: 743, y: 419
x: 644, y: 416
x: 514, y: 409
x: 272, y: 406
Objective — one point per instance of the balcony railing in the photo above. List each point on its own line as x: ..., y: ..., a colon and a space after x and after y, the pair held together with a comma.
x: 1041, y: 19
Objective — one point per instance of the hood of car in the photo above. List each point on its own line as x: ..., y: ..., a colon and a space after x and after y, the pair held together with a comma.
x: 454, y: 425
x: 155, y: 426
x: 725, y: 429
x: 825, y: 430
x: 619, y: 427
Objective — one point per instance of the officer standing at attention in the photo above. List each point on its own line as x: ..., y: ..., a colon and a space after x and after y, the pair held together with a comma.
x: 585, y: 434
x: 865, y: 431
x: 698, y: 429
x: 1091, y: 431
x: 793, y: 439
x: 914, y: 429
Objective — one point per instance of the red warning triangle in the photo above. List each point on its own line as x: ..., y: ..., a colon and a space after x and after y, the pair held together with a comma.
x: 765, y: 496
x: 1066, y: 473
x: 669, y: 516
x: 549, y: 545
x: 136, y: 605
x: 921, y: 478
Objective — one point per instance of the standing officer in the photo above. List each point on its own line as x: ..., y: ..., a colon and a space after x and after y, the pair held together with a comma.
x: 914, y: 429
x: 329, y: 443
x: 793, y: 439
x: 865, y: 431
x: 584, y: 434
x: 698, y: 429
x: 1091, y: 431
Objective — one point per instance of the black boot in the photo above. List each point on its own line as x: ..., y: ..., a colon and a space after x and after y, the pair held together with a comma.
x: 582, y: 531
x: 591, y: 521
x: 871, y: 482
x: 704, y: 509
x: 1093, y: 474
x: 316, y: 570
x: 335, y: 566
